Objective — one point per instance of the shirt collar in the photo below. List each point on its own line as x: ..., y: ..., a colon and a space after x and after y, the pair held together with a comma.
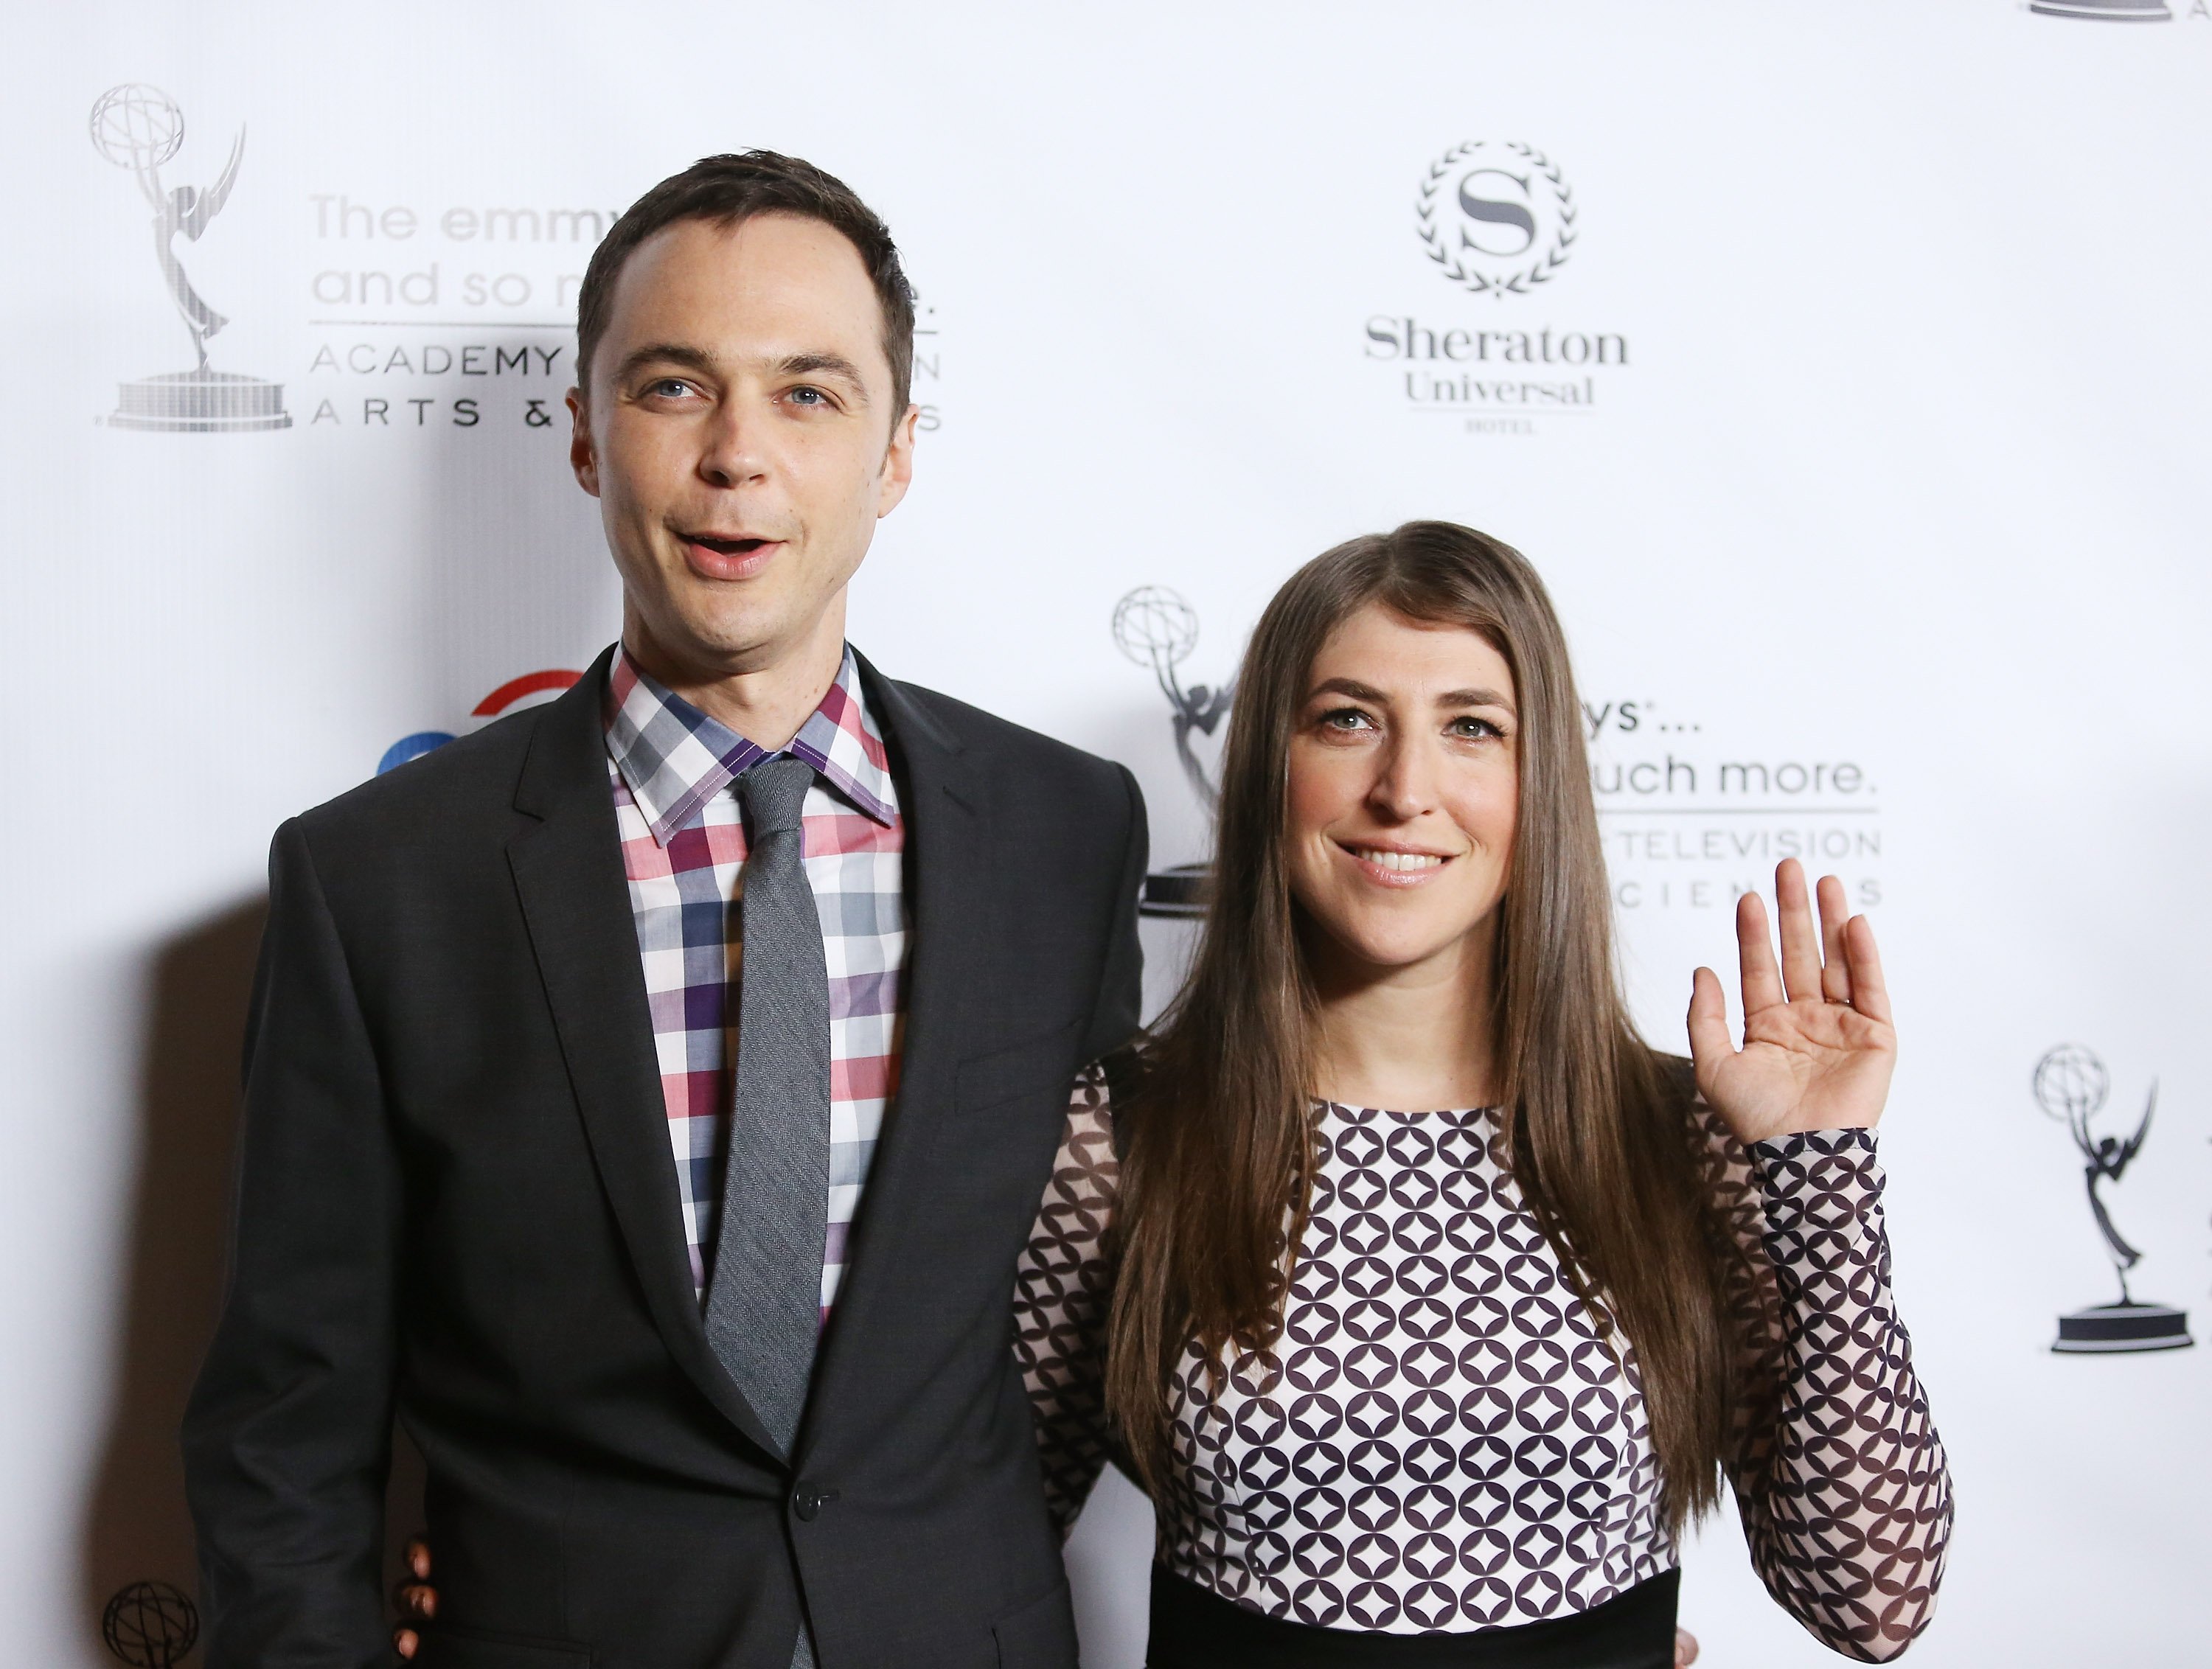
x: 675, y: 758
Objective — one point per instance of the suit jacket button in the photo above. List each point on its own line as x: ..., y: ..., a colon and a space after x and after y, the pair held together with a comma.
x: 806, y: 1501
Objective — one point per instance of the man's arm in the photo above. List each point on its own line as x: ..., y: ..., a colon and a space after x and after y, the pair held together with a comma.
x: 288, y: 1438
x: 1121, y: 982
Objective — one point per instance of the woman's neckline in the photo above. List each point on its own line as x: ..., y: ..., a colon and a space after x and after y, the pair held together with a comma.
x: 1403, y: 1111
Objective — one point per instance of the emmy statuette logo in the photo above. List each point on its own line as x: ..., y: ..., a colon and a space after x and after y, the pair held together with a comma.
x: 150, y: 1625
x: 2108, y: 11
x: 140, y: 128
x: 2072, y: 1086
x: 1496, y: 216
x: 1155, y: 627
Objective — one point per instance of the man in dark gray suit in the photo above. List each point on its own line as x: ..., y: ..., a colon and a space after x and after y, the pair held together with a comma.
x: 691, y: 1281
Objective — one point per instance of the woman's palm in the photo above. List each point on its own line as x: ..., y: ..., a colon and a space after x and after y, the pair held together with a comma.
x: 1818, y: 1044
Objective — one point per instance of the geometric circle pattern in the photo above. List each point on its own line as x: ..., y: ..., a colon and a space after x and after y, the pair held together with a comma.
x: 1844, y: 1490
x: 1444, y: 1441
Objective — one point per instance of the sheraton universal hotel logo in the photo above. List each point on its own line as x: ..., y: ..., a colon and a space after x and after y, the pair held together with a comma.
x: 1497, y: 221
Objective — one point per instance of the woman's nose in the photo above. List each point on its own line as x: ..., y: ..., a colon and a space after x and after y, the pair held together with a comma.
x: 1404, y: 785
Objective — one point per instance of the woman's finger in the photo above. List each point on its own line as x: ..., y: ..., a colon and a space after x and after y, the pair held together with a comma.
x: 1801, y: 943
x: 404, y: 1642
x: 417, y: 1603
x: 1754, y: 953
x: 418, y: 1557
x: 1710, y: 1042
x: 1835, y: 962
x: 1868, y: 994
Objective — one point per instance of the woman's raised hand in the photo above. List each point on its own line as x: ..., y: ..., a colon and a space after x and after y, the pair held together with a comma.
x: 1818, y: 1045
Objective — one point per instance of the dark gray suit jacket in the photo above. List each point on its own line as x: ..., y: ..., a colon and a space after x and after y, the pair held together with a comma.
x: 456, y: 1204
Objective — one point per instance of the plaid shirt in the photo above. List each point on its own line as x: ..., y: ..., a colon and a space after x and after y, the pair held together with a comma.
x: 683, y: 849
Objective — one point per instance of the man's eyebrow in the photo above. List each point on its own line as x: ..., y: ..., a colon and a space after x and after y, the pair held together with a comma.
x: 827, y: 365
x: 834, y: 364
x: 1452, y: 698
x: 667, y: 353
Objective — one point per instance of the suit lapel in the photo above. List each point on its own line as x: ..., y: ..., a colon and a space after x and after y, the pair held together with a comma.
x: 575, y: 899
x: 946, y: 864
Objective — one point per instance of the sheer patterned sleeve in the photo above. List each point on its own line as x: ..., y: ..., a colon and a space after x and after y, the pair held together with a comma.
x: 1840, y: 1478
x: 1062, y: 1293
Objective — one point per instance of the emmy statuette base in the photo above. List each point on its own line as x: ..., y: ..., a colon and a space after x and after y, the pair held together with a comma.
x: 1180, y: 891
x: 2106, y: 11
x: 200, y: 401
x: 2106, y: 1328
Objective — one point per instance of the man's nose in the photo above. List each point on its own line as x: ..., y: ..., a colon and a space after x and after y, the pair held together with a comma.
x: 732, y: 453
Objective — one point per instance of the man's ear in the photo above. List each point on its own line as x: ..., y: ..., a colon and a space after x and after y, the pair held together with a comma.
x: 583, y: 457
x: 898, y: 473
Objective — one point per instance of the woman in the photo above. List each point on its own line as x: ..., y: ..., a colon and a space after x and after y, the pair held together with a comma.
x: 1428, y: 1303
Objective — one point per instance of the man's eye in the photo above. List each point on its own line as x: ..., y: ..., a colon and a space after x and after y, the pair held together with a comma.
x: 670, y: 388
x: 808, y: 397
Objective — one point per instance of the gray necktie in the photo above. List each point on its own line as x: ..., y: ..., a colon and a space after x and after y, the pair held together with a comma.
x: 765, y: 1296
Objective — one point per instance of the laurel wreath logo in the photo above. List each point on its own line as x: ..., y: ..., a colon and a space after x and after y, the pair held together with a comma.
x: 1521, y: 280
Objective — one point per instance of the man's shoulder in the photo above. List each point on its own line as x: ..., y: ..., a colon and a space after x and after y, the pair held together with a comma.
x: 1014, y: 749
x: 461, y: 785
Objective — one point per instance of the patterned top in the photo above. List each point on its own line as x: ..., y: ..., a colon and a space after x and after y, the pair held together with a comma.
x: 683, y: 849
x: 1446, y: 1442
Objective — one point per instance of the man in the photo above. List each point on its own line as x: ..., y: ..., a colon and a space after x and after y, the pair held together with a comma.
x: 691, y: 1280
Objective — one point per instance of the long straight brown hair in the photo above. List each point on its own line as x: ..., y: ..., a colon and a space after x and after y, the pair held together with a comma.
x: 1217, y: 1143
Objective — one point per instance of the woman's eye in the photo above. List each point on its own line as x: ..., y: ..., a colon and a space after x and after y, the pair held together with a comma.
x: 1469, y: 726
x: 1347, y: 719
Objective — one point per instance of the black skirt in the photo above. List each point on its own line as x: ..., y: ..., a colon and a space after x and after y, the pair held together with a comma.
x: 1194, y: 1629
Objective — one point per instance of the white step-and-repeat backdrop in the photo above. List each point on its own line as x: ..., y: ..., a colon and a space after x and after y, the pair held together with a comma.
x: 1844, y: 364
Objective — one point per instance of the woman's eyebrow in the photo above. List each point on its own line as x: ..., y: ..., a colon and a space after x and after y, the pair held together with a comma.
x: 1450, y: 698
x: 1472, y: 698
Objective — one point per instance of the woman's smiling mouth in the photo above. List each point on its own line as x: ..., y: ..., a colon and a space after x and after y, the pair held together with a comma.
x: 1393, y: 866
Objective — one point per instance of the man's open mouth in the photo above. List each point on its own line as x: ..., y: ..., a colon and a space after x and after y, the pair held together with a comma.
x: 728, y: 557
x: 724, y: 546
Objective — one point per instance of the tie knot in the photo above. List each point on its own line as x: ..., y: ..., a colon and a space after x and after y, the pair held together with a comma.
x: 775, y: 792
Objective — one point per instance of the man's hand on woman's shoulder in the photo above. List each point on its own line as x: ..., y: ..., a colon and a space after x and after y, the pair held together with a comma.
x: 416, y: 1601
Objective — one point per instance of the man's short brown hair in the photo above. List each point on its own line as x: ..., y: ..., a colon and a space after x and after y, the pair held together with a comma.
x: 731, y: 189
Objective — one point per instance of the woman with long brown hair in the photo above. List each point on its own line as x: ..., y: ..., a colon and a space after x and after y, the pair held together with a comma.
x: 1427, y: 1301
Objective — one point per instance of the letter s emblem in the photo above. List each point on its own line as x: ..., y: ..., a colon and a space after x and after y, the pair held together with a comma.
x: 1496, y: 211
